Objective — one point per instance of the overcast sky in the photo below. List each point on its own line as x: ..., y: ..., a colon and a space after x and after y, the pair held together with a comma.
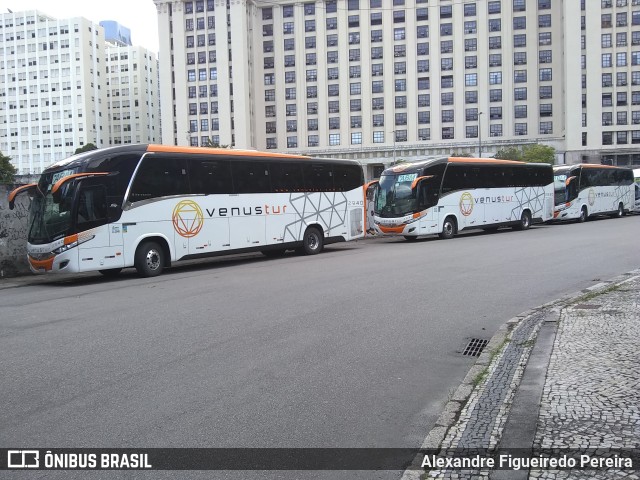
x: 138, y: 15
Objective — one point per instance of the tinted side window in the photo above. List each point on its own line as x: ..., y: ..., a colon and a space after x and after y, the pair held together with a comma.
x: 210, y: 176
x: 318, y: 177
x: 455, y: 178
x: 250, y: 177
x: 286, y: 177
x: 92, y: 207
x: 347, y: 177
x: 158, y: 177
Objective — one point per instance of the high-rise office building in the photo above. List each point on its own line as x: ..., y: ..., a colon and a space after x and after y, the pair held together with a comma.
x: 132, y: 95
x: 52, y: 98
x: 383, y: 80
x: 63, y: 86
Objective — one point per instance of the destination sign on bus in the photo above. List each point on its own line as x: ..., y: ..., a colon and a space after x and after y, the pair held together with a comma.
x: 407, y: 177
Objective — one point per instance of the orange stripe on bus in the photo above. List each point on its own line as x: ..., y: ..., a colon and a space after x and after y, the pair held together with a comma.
x: 483, y: 160
x: 41, y: 264
x: 391, y: 229
x: 64, y: 180
x: 70, y: 239
x: 15, y: 192
x: 218, y: 151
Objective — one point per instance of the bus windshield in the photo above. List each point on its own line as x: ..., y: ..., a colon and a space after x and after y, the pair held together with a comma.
x: 48, y: 220
x: 395, y: 197
x: 561, y: 191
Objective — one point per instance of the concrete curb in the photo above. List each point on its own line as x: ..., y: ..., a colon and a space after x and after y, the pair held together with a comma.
x: 490, y: 358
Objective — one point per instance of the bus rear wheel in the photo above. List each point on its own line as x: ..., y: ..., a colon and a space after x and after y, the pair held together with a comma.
x: 150, y: 259
x: 620, y: 212
x: 449, y: 228
x: 312, y: 241
x: 525, y: 221
x: 583, y: 215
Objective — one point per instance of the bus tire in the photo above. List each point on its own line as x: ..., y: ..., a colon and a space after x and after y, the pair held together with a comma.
x: 312, y: 241
x: 410, y: 238
x: 525, y: 221
x: 150, y: 259
x: 449, y: 228
x: 583, y: 215
x: 274, y: 253
x: 620, y: 212
x: 110, y: 272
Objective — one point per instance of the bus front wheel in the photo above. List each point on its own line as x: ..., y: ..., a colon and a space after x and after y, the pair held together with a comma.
x: 583, y: 215
x: 150, y: 259
x: 449, y: 228
x: 312, y: 241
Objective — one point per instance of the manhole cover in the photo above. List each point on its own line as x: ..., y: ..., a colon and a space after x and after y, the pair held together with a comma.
x: 474, y: 347
x: 586, y: 306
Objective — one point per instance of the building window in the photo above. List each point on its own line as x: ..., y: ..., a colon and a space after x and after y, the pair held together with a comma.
x: 520, y: 111
x: 544, y: 38
x: 471, y: 44
x: 494, y: 7
x: 495, y: 78
x: 424, y: 118
x: 520, y: 129
x: 424, y: 100
x: 446, y: 46
x: 378, y: 137
x: 495, y: 25
x: 495, y: 130
x: 446, y: 64
x: 378, y: 120
x: 470, y: 61
x: 519, y: 5
x: 470, y: 97
x: 312, y: 141
x: 376, y: 36
x: 401, y: 118
x: 356, y: 138
x: 446, y: 98
x: 544, y: 21
x: 520, y: 23
x: 377, y: 103
x: 471, y: 79
x: 471, y: 131
x: 520, y: 93
x: 332, y: 57
x: 446, y: 81
x: 425, y: 134
x: 376, y: 18
x: 495, y: 95
x: 377, y: 86
x: 546, y: 128
x: 545, y: 74
x: 332, y: 23
x: 495, y: 113
x: 520, y: 58
x: 471, y: 114
x: 447, y: 133
x: 495, y: 43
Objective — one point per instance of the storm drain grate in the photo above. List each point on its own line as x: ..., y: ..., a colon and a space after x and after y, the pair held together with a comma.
x: 474, y: 347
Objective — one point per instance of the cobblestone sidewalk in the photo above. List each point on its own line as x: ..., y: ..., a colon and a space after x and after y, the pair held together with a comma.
x: 591, y: 396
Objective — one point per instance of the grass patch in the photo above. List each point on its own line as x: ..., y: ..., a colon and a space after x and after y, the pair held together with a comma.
x: 591, y: 295
x: 482, y: 375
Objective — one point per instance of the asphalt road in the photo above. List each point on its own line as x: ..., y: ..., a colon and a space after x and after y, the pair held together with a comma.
x: 357, y: 347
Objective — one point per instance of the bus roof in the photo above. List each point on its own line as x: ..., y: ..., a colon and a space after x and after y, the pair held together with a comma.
x: 588, y: 165
x: 415, y: 166
x: 82, y: 159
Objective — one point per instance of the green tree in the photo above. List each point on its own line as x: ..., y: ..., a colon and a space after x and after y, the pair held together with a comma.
x: 85, y: 148
x: 7, y: 170
x: 509, y: 153
x: 456, y: 154
x: 538, y: 153
x: 535, y: 153
x: 211, y: 144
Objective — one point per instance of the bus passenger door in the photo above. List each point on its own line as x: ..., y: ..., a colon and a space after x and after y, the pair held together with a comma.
x: 98, y: 253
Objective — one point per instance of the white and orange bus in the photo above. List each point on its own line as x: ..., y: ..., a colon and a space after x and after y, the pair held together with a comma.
x: 147, y: 206
x: 586, y: 190
x: 446, y: 195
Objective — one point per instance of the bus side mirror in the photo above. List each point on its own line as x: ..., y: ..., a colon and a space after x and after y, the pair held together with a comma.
x: 569, y: 180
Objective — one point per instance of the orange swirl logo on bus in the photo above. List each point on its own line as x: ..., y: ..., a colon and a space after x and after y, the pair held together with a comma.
x: 187, y: 218
x: 592, y: 196
x: 466, y: 204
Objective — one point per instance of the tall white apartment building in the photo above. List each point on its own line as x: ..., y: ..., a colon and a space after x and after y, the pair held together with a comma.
x: 380, y: 80
x: 52, y: 98
x: 132, y: 95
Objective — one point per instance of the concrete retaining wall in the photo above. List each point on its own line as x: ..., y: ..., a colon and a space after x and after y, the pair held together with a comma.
x: 13, y: 230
